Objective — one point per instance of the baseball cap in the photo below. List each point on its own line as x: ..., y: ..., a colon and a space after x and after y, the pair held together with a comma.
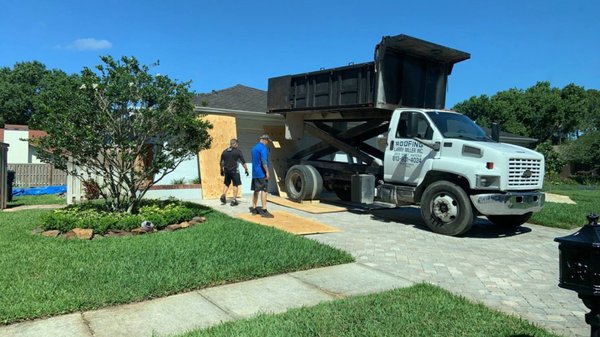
x: 265, y: 136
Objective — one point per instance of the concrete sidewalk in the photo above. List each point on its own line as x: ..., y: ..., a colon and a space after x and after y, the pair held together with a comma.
x: 211, y: 306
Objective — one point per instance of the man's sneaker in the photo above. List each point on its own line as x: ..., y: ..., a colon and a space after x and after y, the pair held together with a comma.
x: 234, y: 202
x: 223, y: 200
x: 254, y: 211
x: 265, y: 214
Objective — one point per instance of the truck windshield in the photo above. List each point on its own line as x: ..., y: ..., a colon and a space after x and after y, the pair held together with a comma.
x: 454, y: 125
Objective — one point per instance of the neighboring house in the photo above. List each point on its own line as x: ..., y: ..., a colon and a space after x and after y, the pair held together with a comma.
x: 20, y: 151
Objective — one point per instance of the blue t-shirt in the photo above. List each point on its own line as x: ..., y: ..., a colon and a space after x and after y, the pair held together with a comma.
x: 259, y: 156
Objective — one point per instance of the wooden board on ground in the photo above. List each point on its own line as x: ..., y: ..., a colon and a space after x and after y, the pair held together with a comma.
x: 290, y: 223
x: 315, y: 208
x: 224, y: 129
x: 564, y: 199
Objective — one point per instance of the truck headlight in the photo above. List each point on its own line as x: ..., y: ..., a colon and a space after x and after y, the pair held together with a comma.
x: 488, y: 182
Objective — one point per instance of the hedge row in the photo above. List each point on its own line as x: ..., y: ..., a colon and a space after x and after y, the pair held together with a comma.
x: 93, y: 215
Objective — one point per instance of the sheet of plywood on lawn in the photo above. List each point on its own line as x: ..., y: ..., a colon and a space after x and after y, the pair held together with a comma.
x: 281, y: 150
x: 224, y: 129
x: 290, y: 223
x: 307, y: 207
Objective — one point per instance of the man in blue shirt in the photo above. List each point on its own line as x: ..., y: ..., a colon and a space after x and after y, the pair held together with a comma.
x: 260, y: 176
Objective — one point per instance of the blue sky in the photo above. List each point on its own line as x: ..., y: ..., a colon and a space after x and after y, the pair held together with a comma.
x: 218, y: 44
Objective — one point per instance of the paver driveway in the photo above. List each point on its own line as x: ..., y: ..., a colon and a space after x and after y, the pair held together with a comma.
x: 512, y: 271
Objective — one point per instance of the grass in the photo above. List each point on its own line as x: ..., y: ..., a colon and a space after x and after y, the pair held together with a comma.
x: 44, y: 199
x: 48, y: 276
x: 419, y: 311
x: 568, y: 216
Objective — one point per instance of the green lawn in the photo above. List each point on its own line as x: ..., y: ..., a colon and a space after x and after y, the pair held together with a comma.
x: 419, y: 311
x: 565, y: 215
x: 44, y: 199
x: 48, y: 276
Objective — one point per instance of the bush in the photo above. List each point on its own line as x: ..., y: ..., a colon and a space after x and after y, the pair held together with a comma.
x: 554, y: 161
x: 584, y: 153
x: 178, y: 181
x: 91, y: 188
x: 95, y: 216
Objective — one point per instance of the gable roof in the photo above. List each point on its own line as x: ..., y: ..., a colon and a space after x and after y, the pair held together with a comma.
x: 238, y: 97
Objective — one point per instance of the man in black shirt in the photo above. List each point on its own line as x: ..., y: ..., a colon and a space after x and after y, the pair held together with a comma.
x: 229, y: 169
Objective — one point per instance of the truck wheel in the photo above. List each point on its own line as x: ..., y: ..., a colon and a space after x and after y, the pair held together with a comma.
x: 303, y: 182
x: 446, y: 208
x: 510, y: 221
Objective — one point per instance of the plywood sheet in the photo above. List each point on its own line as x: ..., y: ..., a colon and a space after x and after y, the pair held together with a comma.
x: 224, y: 129
x: 315, y: 208
x: 290, y: 223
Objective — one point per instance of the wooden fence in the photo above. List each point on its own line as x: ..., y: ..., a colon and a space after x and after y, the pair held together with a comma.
x: 3, y: 175
x: 30, y: 175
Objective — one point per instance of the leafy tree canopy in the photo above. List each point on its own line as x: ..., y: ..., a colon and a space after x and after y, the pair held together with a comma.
x: 121, y: 124
x: 541, y: 111
x: 19, y: 87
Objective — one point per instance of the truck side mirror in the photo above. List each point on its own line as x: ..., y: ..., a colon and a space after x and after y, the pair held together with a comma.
x: 496, y: 132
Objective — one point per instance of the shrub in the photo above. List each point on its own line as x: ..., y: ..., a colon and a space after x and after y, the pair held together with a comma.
x: 178, y: 181
x: 91, y: 188
x: 95, y: 216
x: 554, y: 161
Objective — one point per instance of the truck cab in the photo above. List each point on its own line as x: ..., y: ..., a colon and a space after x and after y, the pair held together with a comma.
x: 445, y: 162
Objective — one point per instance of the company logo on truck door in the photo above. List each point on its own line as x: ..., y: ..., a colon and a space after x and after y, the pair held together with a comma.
x: 407, y: 152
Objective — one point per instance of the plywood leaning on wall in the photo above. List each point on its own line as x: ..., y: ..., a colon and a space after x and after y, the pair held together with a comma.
x: 224, y: 129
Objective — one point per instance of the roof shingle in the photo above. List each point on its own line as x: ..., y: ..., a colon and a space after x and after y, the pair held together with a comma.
x: 238, y: 97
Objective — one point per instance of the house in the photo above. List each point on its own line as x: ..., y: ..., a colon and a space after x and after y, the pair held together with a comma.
x: 20, y: 151
x: 236, y: 112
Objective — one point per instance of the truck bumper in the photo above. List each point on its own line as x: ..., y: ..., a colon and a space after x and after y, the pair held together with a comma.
x: 512, y: 203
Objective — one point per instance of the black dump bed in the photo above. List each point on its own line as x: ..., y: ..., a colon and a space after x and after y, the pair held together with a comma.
x: 406, y: 72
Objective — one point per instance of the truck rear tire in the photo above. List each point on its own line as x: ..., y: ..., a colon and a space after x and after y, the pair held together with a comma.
x: 510, y: 221
x: 303, y: 182
x: 446, y: 208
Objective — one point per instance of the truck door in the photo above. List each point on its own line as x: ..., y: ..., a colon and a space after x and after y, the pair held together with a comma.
x: 405, y: 157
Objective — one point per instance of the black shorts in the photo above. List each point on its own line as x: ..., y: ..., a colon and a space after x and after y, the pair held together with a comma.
x: 232, y: 177
x: 259, y: 184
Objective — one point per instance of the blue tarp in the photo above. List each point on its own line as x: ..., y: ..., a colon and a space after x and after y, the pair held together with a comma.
x: 39, y: 190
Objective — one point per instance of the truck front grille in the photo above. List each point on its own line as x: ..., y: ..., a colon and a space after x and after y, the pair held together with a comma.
x: 524, y: 172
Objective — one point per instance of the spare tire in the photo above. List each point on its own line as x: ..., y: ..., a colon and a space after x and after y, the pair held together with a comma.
x: 303, y: 182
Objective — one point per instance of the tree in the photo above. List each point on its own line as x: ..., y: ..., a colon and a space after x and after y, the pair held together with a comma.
x: 18, y: 90
x: 541, y: 111
x: 584, y: 152
x: 121, y: 124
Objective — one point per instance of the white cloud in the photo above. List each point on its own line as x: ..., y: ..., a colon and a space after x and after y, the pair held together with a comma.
x: 89, y: 44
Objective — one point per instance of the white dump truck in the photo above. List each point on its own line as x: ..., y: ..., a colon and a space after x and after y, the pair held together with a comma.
x: 438, y: 159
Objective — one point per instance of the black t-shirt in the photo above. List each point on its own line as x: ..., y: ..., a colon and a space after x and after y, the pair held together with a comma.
x: 230, y: 158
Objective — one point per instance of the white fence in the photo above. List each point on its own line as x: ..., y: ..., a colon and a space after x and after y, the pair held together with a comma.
x: 75, y: 188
